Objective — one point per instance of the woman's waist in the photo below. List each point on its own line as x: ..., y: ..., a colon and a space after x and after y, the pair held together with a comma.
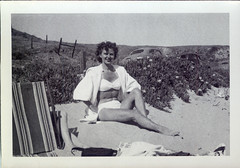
x: 107, y: 100
x: 111, y: 94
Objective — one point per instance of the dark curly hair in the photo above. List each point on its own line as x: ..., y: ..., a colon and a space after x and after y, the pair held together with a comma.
x: 106, y: 46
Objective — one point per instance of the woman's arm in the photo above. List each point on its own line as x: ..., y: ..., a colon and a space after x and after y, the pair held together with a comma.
x: 83, y: 90
x: 90, y: 106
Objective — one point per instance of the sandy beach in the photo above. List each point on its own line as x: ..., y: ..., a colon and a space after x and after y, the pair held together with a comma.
x: 203, y: 123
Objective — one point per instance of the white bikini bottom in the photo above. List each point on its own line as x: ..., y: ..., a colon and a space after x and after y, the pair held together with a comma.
x: 109, y: 104
x: 92, y: 117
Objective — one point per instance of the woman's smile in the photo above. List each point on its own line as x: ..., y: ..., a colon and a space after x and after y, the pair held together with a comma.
x: 109, y: 59
x: 107, y: 56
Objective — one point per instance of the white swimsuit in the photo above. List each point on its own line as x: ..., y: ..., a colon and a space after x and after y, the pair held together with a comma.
x: 105, y: 85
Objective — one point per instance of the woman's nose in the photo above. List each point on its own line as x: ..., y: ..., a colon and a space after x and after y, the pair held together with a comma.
x: 109, y: 55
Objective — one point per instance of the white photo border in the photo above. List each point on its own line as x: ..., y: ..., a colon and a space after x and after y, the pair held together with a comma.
x: 54, y: 7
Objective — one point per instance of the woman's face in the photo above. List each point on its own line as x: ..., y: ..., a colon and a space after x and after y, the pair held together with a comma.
x: 107, y: 56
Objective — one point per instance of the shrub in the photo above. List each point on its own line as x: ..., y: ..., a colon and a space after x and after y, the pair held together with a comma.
x: 62, y: 78
x: 161, y: 78
x: 19, y: 56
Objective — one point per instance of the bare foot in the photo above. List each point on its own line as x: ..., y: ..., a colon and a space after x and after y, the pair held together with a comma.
x: 169, y: 132
x: 173, y: 133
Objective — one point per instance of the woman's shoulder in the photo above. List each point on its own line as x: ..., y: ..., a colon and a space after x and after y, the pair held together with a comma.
x: 119, y: 67
x: 94, y: 68
x: 98, y: 68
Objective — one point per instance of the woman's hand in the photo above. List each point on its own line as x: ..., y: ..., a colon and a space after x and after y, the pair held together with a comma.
x: 93, y: 108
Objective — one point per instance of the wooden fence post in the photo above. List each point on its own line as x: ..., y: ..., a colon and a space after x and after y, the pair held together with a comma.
x: 83, y: 62
x: 65, y: 44
x: 32, y: 42
x: 46, y: 38
x: 74, y: 47
x: 60, y: 43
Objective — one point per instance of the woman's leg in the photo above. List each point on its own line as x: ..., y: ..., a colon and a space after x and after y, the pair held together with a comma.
x: 123, y: 115
x: 135, y: 98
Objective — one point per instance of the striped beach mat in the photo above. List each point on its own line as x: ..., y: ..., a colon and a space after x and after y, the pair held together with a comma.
x: 32, y: 126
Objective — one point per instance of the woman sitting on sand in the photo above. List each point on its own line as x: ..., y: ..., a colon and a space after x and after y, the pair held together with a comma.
x: 111, y: 93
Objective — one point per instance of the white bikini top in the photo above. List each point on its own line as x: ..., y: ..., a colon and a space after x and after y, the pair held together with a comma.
x: 105, y: 85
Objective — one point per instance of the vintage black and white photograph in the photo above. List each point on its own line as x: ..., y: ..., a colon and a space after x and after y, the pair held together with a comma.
x: 120, y: 84
x: 109, y: 85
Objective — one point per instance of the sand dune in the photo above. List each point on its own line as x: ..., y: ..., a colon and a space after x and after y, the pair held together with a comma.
x: 203, y: 123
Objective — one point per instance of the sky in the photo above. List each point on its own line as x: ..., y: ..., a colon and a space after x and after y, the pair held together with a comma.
x: 173, y: 29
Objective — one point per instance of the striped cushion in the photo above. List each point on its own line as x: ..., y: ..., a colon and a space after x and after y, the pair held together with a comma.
x: 32, y: 126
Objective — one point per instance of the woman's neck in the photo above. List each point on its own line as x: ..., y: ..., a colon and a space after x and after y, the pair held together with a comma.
x: 107, y: 67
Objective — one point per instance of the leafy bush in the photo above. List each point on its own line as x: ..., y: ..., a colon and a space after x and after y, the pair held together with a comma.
x: 62, y: 78
x: 162, y: 77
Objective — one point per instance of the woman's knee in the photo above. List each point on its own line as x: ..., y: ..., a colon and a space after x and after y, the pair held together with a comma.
x: 136, y: 92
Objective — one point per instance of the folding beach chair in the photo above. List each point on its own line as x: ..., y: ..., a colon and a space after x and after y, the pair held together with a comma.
x: 33, y: 132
